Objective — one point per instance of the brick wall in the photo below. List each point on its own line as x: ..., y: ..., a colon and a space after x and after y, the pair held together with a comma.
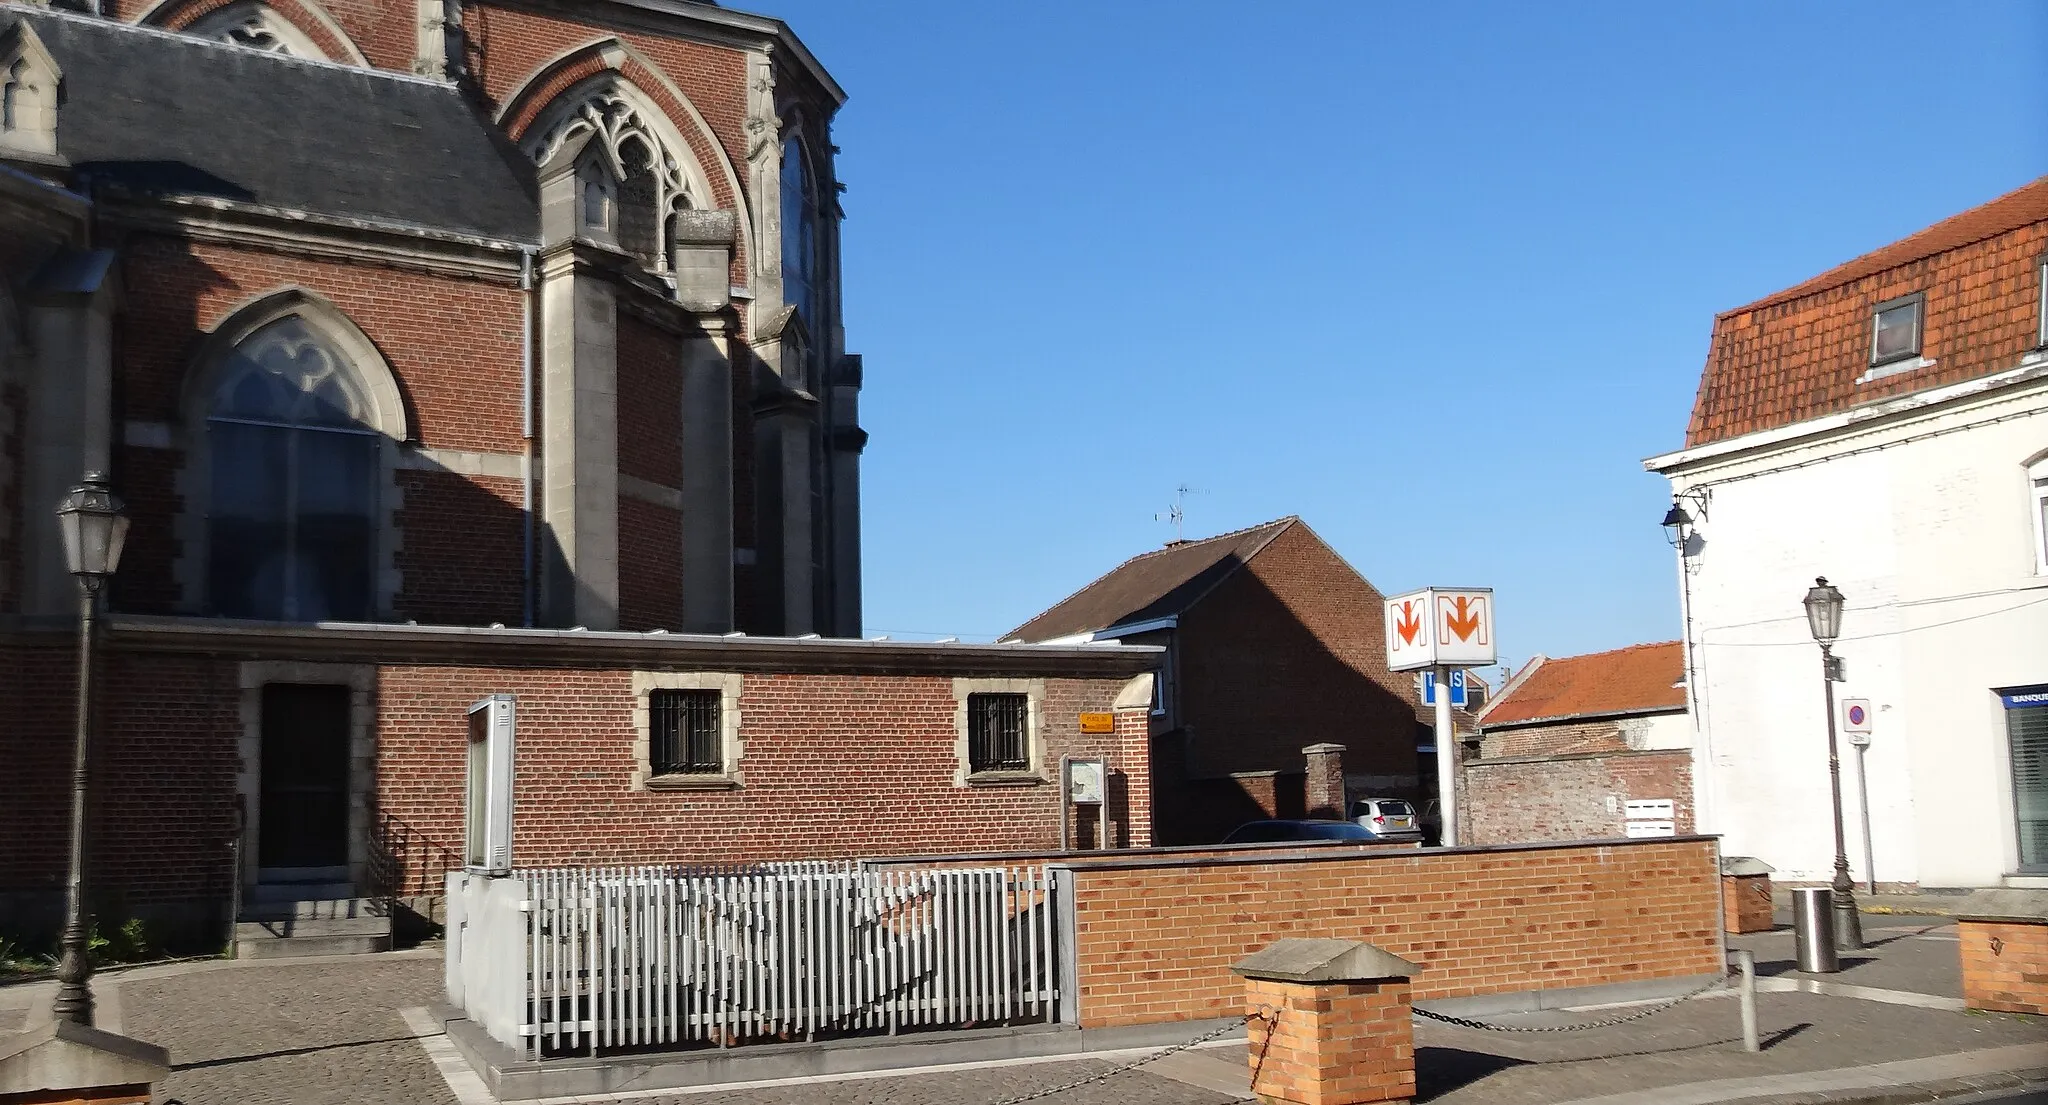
x: 1577, y: 797
x: 650, y: 566
x: 454, y: 346
x: 1478, y: 922
x: 834, y: 766
x: 462, y: 545
x: 1349, y: 1042
x: 651, y: 425
x: 163, y: 782
x: 1551, y: 740
x: 2005, y: 964
x: 1287, y: 652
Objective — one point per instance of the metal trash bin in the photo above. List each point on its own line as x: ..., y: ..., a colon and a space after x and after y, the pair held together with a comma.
x: 1813, y: 930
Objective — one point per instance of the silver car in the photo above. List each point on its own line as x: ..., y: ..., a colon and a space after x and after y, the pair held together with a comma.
x: 1387, y: 818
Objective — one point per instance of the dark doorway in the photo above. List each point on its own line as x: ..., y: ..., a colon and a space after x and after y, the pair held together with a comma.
x: 304, y: 811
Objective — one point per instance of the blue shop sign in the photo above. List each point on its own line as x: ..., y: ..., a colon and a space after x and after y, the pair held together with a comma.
x: 2020, y: 698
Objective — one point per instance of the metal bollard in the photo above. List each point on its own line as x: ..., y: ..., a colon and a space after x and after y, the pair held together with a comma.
x: 1745, y: 961
x: 1813, y: 930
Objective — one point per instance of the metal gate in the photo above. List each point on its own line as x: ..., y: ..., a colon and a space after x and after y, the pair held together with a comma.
x: 632, y: 957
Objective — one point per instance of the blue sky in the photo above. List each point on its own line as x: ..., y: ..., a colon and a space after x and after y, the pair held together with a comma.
x: 1434, y: 277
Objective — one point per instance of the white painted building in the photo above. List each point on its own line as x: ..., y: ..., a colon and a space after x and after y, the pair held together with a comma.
x: 1884, y: 425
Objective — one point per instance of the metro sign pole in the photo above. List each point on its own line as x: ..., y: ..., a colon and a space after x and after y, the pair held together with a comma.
x: 1439, y: 628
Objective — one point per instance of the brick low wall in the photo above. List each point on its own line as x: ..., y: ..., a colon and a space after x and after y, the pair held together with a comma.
x: 1155, y: 938
x: 2005, y: 964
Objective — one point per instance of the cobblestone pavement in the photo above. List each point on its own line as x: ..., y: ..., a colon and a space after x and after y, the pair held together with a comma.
x: 971, y: 1088
x: 289, y: 1034
x: 329, y: 1032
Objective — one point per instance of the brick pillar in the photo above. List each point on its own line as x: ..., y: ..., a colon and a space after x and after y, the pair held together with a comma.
x: 1325, y: 787
x: 1746, y: 894
x: 1329, y: 1023
x: 2005, y: 963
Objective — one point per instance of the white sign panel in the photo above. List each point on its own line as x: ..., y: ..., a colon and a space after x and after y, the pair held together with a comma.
x: 1855, y: 715
x: 1440, y: 626
x: 1650, y: 817
x: 1085, y: 781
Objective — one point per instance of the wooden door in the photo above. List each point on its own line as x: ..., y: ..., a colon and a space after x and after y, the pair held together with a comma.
x: 305, y: 769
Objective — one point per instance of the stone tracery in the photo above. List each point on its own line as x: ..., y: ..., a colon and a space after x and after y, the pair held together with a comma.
x: 654, y: 181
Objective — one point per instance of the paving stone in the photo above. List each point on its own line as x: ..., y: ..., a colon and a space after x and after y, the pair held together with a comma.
x: 324, y: 1034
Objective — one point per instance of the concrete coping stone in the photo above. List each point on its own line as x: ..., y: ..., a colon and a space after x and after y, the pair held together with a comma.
x: 1326, y: 746
x: 1745, y: 865
x: 2004, y: 918
x: 1388, y: 853
x: 1299, y: 959
x: 60, y: 1055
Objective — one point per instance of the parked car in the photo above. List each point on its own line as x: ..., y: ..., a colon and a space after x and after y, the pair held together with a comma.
x: 1387, y: 818
x: 1432, y: 821
x: 1283, y: 832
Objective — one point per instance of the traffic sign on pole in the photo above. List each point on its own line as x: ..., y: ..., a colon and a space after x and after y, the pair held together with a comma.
x: 1458, y: 695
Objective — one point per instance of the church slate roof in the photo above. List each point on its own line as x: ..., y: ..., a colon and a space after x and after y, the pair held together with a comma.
x: 1152, y: 585
x: 166, y: 114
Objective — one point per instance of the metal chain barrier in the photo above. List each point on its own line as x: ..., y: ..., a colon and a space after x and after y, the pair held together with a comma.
x: 1632, y: 1015
x: 1228, y: 1027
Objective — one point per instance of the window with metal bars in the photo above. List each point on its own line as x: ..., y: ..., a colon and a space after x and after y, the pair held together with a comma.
x: 998, y: 737
x: 684, y: 734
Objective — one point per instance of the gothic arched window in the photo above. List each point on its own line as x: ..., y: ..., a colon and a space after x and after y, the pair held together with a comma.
x: 253, y: 24
x: 294, y: 465
x: 799, y: 233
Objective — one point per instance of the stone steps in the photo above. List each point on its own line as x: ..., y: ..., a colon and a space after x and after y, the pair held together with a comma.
x: 285, y: 921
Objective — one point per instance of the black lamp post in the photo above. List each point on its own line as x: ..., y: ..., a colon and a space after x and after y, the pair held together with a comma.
x: 1824, y: 617
x: 94, y: 527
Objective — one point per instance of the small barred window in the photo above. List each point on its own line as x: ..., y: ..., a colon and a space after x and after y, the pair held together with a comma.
x: 685, y: 733
x: 998, y: 737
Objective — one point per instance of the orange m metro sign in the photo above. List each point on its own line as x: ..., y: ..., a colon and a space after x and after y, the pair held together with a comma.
x: 1440, y: 626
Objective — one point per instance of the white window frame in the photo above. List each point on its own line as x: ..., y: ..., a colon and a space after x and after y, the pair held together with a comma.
x: 732, y: 750
x: 2041, y: 298
x: 2037, y: 499
x: 1033, y: 691
x: 1918, y: 302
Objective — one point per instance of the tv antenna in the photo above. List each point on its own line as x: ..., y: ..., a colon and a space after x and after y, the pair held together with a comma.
x: 1177, y: 514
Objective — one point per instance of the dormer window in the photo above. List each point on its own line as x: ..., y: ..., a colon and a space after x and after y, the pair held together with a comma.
x: 1895, y: 329
x: 2041, y: 302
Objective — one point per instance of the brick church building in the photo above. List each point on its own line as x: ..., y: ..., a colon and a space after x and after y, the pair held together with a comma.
x: 442, y: 349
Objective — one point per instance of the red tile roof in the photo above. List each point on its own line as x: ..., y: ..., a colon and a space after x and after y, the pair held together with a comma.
x: 1798, y: 354
x: 1636, y: 679
x: 1152, y: 585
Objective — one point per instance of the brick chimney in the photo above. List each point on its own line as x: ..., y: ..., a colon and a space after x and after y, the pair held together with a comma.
x: 1324, y: 792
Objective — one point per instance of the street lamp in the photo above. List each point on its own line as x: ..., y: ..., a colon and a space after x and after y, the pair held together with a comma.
x: 1824, y: 617
x: 1677, y: 525
x: 94, y: 528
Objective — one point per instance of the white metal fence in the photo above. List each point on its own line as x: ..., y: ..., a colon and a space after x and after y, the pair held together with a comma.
x: 636, y: 957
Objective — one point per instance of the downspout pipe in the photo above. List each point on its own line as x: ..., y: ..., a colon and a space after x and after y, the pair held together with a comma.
x: 526, y: 385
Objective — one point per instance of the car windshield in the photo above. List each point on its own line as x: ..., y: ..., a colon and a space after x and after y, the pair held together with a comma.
x: 1275, y: 832
x: 1396, y: 809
